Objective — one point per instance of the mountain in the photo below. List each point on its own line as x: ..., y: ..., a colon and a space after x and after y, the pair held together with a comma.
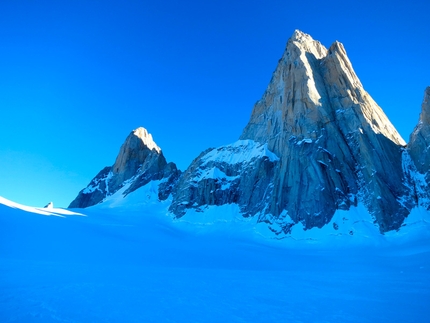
x: 139, y: 162
x: 316, y: 143
x: 334, y: 146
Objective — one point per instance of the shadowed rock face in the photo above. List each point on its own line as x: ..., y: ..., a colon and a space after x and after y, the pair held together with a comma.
x: 334, y: 145
x: 419, y: 142
x: 240, y: 173
x: 139, y: 161
x: 419, y: 151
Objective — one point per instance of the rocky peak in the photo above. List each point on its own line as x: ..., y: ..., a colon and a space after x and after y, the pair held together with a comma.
x: 146, y: 138
x: 347, y: 92
x: 139, y: 148
x: 317, y: 118
x: 311, y: 82
x: 306, y: 44
x: 343, y: 65
x: 139, y: 161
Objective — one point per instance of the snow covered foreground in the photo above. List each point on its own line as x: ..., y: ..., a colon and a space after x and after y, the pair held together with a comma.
x: 118, y: 264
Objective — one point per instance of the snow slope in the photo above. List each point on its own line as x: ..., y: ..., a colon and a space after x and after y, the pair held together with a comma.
x: 126, y: 260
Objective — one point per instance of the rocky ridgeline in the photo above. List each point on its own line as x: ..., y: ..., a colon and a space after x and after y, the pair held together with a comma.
x: 316, y: 142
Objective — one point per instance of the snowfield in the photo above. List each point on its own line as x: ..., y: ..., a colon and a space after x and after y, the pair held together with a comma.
x: 128, y: 261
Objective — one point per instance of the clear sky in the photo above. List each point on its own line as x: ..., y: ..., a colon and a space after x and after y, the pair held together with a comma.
x: 77, y: 76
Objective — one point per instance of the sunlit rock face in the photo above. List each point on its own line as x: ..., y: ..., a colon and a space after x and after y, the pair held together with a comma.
x: 334, y: 147
x: 139, y: 161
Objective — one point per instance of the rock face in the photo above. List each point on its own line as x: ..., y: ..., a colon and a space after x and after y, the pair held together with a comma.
x: 418, y: 165
x: 419, y: 142
x: 139, y: 161
x: 240, y: 173
x: 333, y: 144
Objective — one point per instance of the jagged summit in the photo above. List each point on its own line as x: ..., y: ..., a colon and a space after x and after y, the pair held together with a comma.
x: 146, y: 138
x: 309, y: 73
x: 139, y: 161
x: 307, y: 43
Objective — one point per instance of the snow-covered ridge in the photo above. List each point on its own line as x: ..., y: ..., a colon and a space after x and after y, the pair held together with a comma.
x: 242, y: 151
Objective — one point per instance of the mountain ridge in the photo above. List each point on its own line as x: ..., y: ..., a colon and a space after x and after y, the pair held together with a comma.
x: 333, y: 144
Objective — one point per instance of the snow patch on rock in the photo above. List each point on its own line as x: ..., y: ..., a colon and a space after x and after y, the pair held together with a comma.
x: 242, y: 151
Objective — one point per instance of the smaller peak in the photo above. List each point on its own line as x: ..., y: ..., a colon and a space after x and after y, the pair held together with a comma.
x: 337, y: 46
x: 146, y: 138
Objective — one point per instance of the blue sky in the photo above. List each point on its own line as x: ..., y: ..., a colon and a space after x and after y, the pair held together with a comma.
x: 77, y: 77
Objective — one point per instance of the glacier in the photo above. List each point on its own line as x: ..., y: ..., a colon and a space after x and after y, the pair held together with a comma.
x: 129, y: 260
